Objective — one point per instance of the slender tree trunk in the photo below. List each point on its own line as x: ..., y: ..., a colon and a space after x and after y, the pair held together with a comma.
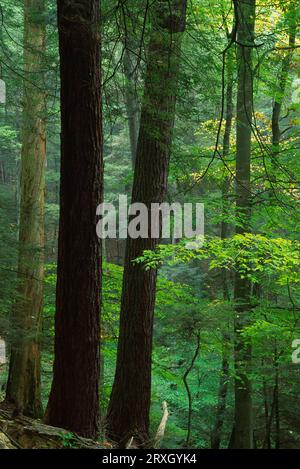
x: 276, y: 400
x: 23, y: 388
x: 243, y: 424
x: 74, y: 400
x: 283, y: 78
x: 268, y: 415
x: 128, y: 412
x: 216, y: 435
x: 188, y: 391
x: 131, y: 99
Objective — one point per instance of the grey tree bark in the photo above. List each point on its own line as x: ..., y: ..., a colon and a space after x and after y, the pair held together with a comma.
x: 243, y: 418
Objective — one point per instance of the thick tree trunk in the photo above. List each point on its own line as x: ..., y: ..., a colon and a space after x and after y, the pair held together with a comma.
x: 243, y: 425
x: 74, y: 400
x: 128, y: 412
x: 23, y: 388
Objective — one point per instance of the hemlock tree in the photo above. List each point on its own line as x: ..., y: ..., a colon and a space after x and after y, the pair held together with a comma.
x: 243, y: 426
x: 74, y: 400
x: 128, y: 412
x: 23, y: 387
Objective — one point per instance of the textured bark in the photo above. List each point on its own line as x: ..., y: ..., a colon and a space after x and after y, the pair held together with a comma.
x: 128, y: 412
x: 74, y: 400
x: 23, y: 388
x: 243, y: 424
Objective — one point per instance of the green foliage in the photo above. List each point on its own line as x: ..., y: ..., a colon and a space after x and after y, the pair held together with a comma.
x: 253, y: 256
x: 190, y: 296
x: 68, y: 440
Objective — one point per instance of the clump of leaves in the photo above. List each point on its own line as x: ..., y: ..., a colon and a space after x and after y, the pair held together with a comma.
x: 251, y: 255
x: 68, y: 440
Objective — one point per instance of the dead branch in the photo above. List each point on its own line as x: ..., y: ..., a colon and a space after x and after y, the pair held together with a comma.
x: 162, y: 426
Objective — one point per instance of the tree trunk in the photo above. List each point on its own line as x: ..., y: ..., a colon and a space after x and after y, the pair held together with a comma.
x: 286, y: 63
x: 276, y: 399
x: 128, y: 412
x: 188, y: 391
x: 267, y: 415
x: 216, y: 435
x: 243, y: 425
x: 131, y: 99
x: 74, y: 400
x: 23, y: 388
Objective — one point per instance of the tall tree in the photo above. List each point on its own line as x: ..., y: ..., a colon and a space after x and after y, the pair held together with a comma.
x: 128, y: 412
x: 23, y: 388
x: 245, y: 19
x: 74, y: 400
x: 216, y: 435
x: 291, y: 18
x: 130, y: 65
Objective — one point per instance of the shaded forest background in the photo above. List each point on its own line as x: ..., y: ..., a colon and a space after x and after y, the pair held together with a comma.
x: 252, y: 209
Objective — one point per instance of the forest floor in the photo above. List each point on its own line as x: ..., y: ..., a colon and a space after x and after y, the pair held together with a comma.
x: 19, y: 432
